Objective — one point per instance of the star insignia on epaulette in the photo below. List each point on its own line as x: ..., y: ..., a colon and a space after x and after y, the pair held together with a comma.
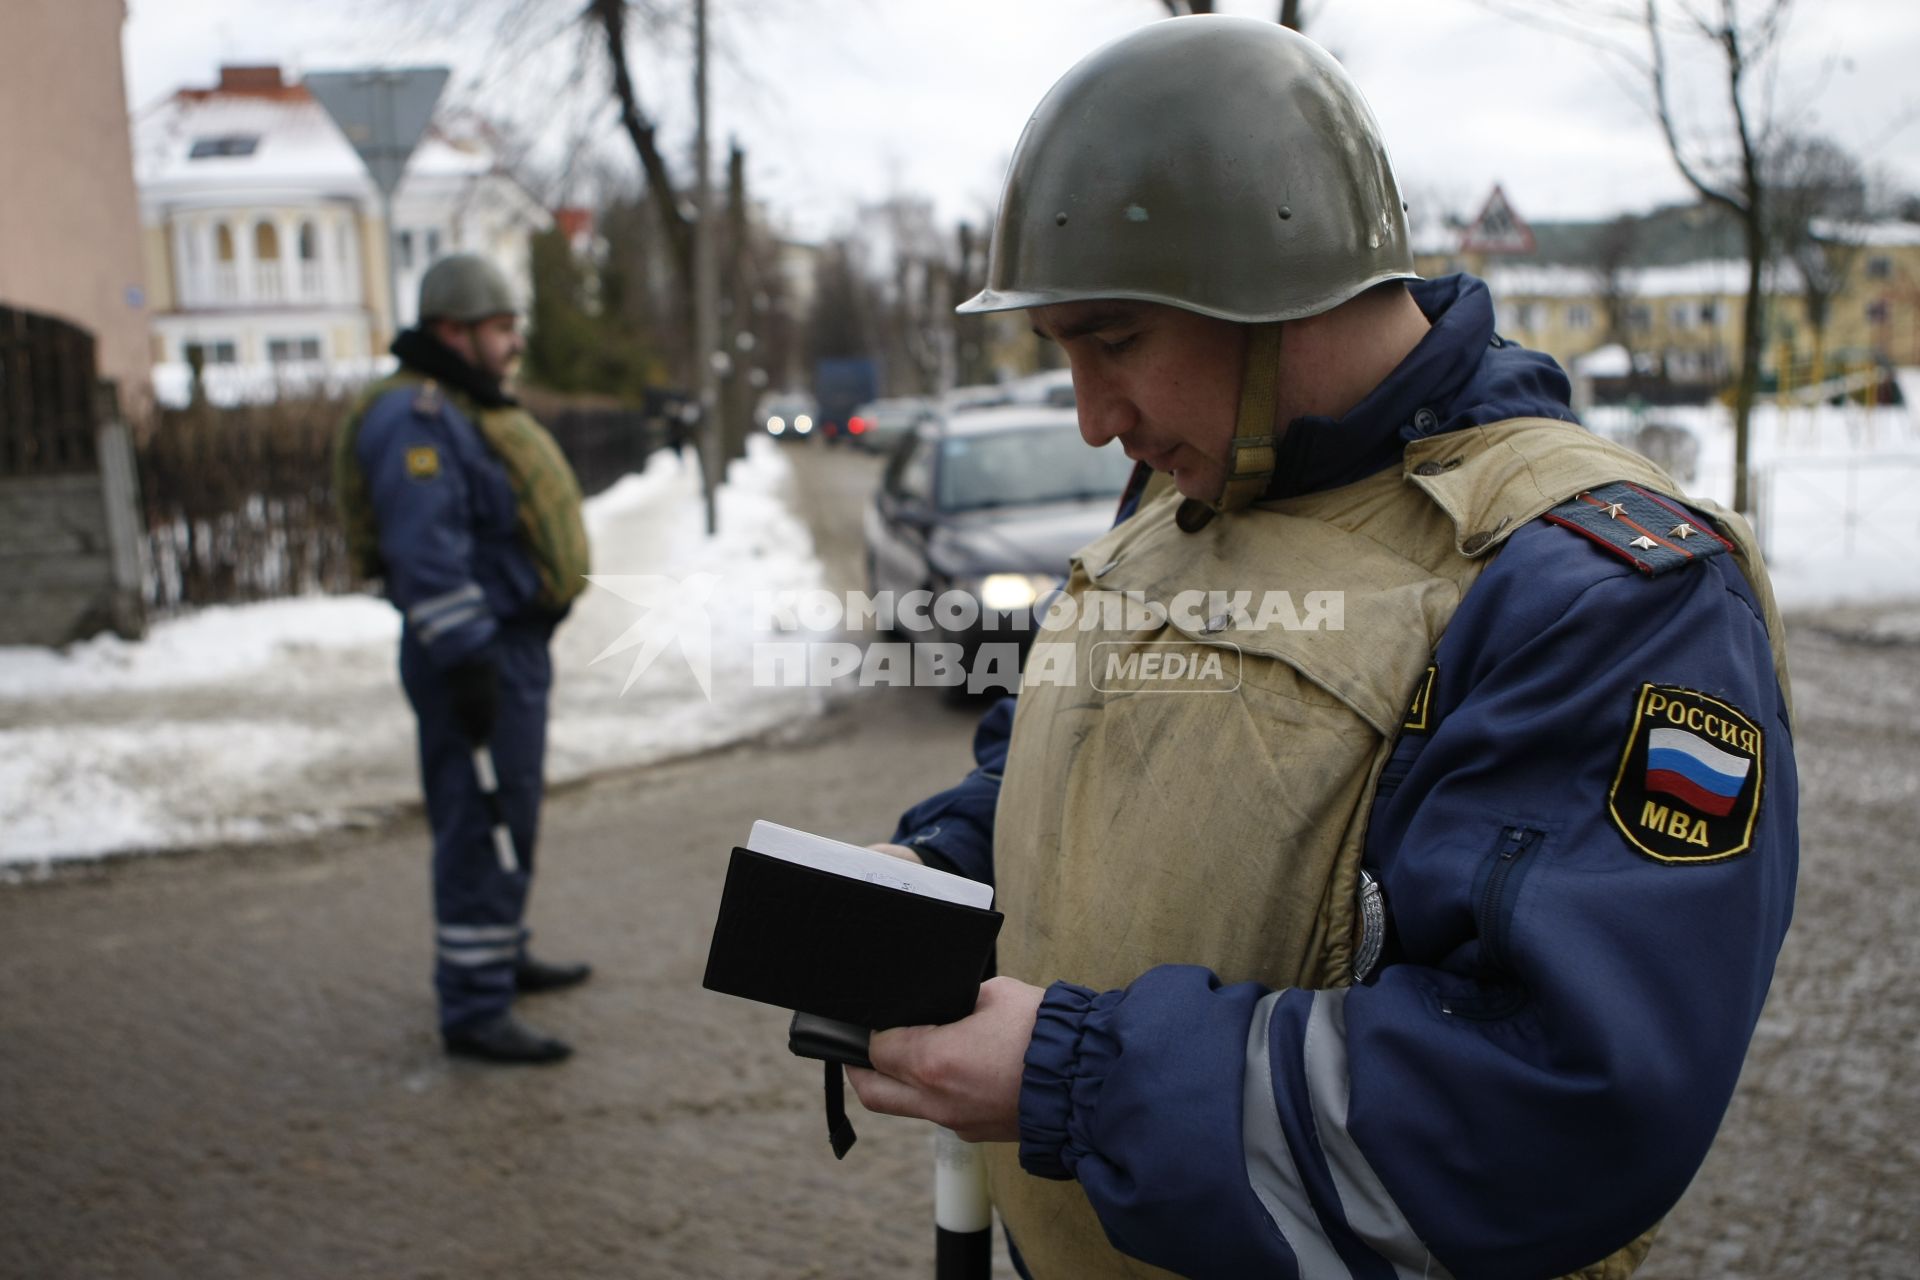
x: 1644, y: 542
x: 1614, y: 510
x: 1683, y: 530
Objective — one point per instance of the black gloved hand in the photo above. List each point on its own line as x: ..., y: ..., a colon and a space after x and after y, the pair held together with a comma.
x: 474, y: 688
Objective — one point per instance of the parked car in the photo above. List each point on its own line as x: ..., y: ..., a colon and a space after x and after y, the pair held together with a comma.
x: 788, y: 414
x: 878, y: 425
x: 990, y: 502
x: 1053, y: 387
x: 984, y: 395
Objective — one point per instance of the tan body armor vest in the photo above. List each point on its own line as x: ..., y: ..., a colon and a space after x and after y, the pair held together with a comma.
x: 1138, y: 827
x: 545, y: 491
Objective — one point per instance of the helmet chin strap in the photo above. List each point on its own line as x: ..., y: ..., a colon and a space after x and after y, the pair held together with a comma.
x: 1254, y: 450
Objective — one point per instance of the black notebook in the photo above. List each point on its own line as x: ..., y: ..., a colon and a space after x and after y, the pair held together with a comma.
x: 877, y: 952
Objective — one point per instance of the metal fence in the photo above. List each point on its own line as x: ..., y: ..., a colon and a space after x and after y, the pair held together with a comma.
x: 1840, y: 508
x: 239, y: 501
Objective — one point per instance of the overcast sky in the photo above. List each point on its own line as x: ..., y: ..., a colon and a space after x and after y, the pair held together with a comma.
x: 839, y: 101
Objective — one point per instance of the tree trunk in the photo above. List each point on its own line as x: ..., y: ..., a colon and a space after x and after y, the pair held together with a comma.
x: 612, y: 17
x: 1752, y: 343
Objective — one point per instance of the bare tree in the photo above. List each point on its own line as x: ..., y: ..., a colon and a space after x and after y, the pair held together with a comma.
x: 1724, y: 163
x: 1747, y: 44
x: 1819, y: 204
x: 611, y: 18
x: 1614, y: 251
x: 593, y: 41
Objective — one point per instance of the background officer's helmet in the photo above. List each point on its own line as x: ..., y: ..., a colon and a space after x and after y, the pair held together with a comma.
x: 467, y: 288
x: 1222, y: 165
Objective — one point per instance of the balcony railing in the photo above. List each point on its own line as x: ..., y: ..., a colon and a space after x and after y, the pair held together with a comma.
x: 266, y: 284
x: 226, y: 284
x: 269, y: 282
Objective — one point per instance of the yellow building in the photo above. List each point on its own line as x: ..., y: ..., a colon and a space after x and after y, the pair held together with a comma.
x: 1670, y: 289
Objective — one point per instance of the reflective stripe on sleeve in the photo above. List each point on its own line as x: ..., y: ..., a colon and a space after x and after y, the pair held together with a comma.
x: 448, y: 621
x: 474, y: 957
x: 423, y: 611
x: 1370, y: 1211
x: 1271, y: 1170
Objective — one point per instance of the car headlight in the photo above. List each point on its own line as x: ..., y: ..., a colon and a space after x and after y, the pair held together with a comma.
x: 802, y: 423
x: 1010, y: 592
x: 776, y: 424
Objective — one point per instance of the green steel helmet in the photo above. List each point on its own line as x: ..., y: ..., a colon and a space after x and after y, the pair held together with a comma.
x: 1222, y: 165
x: 465, y: 287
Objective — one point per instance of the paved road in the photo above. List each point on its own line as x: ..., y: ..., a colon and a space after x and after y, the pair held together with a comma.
x: 223, y: 1064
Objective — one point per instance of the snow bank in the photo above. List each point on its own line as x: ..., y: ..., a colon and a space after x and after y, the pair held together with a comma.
x: 277, y: 719
x: 213, y: 645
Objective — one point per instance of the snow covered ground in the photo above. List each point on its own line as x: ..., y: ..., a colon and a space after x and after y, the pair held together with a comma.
x: 1837, y: 489
x: 276, y: 719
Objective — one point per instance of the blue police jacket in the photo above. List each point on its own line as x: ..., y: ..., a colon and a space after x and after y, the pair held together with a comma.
x: 454, y: 562
x: 1536, y: 1070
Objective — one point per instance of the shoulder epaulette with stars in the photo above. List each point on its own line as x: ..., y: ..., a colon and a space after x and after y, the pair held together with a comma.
x: 1655, y: 534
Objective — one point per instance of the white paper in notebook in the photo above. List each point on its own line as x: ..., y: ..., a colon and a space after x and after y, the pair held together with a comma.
x: 851, y: 860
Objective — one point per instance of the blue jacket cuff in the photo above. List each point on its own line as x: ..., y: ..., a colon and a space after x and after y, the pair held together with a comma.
x: 956, y: 841
x: 1066, y: 1063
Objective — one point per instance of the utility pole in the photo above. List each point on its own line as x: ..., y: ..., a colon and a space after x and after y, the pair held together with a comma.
x: 706, y: 346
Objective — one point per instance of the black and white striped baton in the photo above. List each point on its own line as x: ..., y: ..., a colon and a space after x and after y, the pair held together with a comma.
x: 962, y: 1216
x: 490, y: 796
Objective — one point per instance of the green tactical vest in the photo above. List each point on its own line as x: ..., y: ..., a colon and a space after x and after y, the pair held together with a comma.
x: 1125, y: 816
x: 545, y: 492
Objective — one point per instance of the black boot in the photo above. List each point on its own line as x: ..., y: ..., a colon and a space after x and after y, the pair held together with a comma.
x: 505, y: 1039
x: 530, y: 976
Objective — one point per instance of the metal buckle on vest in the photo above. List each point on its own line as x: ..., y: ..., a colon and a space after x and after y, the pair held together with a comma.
x: 1373, y: 926
x: 1253, y: 458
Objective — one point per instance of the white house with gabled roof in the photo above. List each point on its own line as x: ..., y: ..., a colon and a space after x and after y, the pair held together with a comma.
x: 264, y: 244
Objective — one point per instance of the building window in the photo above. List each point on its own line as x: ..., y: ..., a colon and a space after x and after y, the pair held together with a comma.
x: 281, y: 350
x: 220, y: 352
x: 1579, y: 317
x: 309, y: 243
x: 406, y: 250
x: 1527, y: 316
x: 1877, y: 313
x: 433, y: 245
x: 266, y: 242
x: 1879, y: 267
x: 1680, y: 315
x: 231, y: 144
x: 1709, y: 313
x: 223, y: 242
x: 1640, y: 318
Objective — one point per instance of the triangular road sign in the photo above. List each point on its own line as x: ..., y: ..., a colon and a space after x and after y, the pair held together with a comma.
x: 1498, y: 229
x: 382, y: 112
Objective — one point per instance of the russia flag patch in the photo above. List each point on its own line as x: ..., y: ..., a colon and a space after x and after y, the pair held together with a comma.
x: 1693, y: 770
x: 1688, y: 786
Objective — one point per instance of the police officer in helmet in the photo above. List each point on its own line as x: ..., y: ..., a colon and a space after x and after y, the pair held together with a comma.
x: 463, y: 505
x: 1433, y: 942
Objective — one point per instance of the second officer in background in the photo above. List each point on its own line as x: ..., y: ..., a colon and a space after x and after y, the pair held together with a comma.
x: 466, y: 508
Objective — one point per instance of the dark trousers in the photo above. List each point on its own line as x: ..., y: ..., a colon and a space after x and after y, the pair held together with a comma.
x: 478, y: 907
